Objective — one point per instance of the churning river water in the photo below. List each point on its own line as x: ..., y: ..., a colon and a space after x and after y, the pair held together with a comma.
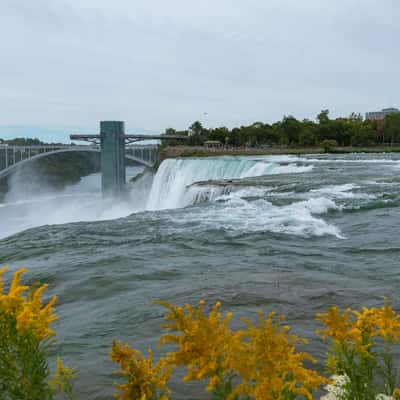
x: 284, y: 233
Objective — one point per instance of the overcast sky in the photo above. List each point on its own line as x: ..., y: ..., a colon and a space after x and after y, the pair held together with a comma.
x: 164, y: 63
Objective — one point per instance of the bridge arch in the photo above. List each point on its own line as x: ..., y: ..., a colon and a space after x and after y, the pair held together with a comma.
x: 9, y: 170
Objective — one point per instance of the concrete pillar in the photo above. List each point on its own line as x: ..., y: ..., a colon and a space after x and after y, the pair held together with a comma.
x: 112, y: 157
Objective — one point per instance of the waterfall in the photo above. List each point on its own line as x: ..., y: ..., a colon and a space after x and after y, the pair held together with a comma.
x: 171, y: 184
x: 169, y: 188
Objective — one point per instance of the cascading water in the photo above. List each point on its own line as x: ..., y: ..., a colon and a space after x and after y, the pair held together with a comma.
x: 171, y: 185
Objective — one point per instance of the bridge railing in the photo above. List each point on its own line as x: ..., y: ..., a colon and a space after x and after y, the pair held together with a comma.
x: 13, y: 154
x: 146, y: 153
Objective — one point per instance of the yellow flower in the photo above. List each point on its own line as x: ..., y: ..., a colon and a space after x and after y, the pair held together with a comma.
x: 371, y: 322
x: 3, y: 270
x: 355, y: 347
x: 388, y: 323
x: 62, y: 379
x: 26, y: 306
x: 263, y: 356
x: 203, y: 341
x: 144, y: 380
x: 13, y: 300
x: 268, y: 363
x: 338, y: 325
x: 366, y: 321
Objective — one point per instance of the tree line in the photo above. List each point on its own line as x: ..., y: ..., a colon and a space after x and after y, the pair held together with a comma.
x: 23, y: 141
x: 350, y: 131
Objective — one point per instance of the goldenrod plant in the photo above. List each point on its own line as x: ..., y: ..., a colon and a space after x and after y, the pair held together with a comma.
x: 259, y: 362
x: 268, y: 364
x: 25, y: 335
x: 361, y: 352
x: 145, y: 381
x: 62, y: 380
x: 203, y: 344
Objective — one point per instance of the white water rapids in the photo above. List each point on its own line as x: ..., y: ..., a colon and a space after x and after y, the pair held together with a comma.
x: 27, y: 206
x: 170, y: 187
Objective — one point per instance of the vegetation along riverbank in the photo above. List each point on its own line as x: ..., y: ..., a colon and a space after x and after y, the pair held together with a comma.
x: 291, y: 136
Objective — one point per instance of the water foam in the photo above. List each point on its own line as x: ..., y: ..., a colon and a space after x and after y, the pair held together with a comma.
x: 238, y: 216
x: 344, y: 191
x: 353, y: 160
x: 170, y: 187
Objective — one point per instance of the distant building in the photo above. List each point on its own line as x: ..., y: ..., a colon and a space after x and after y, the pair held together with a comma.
x: 379, y: 115
x: 212, y: 143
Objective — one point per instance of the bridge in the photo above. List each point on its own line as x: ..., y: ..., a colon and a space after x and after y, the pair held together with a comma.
x: 12, y: 157
x: 112, y: 144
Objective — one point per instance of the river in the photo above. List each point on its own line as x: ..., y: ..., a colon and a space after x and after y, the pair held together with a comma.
x: 284, y: 233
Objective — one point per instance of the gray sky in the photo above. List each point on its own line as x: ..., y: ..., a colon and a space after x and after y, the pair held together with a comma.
x: 158, y: 63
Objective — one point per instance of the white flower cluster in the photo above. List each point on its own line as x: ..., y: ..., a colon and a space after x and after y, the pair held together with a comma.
x: 338, y: 391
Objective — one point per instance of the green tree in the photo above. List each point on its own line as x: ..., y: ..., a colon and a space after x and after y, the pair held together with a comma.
x: 197, y: 128
x: 362, y: 134
x: 328, y: 145
x: 335, y: 129
x: 392, y: 127
x: 291, y: 129
x: 198, y: 134
x: 219, y: 134
x: 323, y: 116
x: 308, y: 135
x: 236, y: 137
x: 170, y: 131
x: 355, y: 117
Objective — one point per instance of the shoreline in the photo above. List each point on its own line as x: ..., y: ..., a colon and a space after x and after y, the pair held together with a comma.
x: 199, y: 151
